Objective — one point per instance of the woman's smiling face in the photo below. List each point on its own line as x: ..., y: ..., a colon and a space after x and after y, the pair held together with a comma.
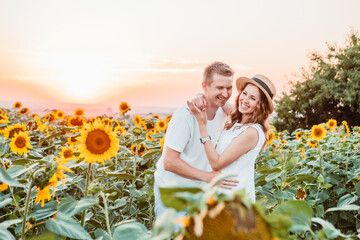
x: 249, y: 98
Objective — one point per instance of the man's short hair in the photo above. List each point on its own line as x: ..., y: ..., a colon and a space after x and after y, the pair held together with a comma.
x: 218, y: 68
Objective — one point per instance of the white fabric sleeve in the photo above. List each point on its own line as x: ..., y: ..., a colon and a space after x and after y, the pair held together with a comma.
x: 177, y: 134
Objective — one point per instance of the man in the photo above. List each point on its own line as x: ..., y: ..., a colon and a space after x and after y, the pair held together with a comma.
x: 184, y: 159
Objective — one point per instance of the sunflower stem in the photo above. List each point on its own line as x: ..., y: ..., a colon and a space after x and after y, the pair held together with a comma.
x: 106, y: 214
x: 135, y: 163
x: 321, y: 162
x: 27, y: 201
x: 88, y: 173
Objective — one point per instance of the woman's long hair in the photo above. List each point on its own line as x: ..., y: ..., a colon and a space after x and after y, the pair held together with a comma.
x: 260, y: 115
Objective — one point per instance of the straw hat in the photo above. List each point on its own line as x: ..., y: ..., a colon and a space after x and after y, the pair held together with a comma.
x: 263, y: 83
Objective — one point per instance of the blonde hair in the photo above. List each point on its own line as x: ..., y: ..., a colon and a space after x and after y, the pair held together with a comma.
x: 218, y: 68
x: 260, y: 115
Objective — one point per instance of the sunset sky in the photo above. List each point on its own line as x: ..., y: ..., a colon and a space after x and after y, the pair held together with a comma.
x: 152, y: 53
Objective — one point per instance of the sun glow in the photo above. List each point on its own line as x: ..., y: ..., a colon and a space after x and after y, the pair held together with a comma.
x: 81, y: 77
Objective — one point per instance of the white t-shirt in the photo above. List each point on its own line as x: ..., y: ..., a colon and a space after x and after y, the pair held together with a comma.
x: 183, y: 135
x: 244, y: 166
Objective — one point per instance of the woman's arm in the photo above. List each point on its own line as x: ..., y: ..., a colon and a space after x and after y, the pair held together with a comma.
x: 240, y: 145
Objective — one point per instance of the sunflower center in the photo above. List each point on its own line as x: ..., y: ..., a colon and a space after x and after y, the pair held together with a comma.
x: 14, y: 131
x: 318, y: 132
x: 76, y: 122
x: 98, y: 142
x: 20, y: 142
x: 68, y: 153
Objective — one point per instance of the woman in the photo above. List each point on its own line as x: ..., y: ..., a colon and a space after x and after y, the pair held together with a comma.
x: 245, y: 134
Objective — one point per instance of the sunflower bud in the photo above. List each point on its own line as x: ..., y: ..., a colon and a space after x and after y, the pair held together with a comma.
x: 137, y: 131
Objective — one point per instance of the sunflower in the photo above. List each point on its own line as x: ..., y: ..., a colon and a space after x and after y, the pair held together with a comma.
x: 318, y: 132
x: 271, y: 137
x: 149, y: 137
x: 107, y: 121
x: 148, y: 125
x: 298, y: 135
x: 168, y: 118
x: 68, y: 153
x: 23, y: 111
x: 3, y: 187
x: 61, y: 162
x: 4, y: 117
x: 20, y: 143
x: 228, y: 220
x: 43, y: 195
x: 137, y: 120
x: 346, y: 126
x: 50, y: 118
x: 73, y: 140
x: 79, y: 112
x: 140, y: 149
x: 124, y: 108
x: 75, y: 121
x: 119, y: 129
x: 301, y: 194
x: 2, y: 129
x: 98, y: 143
x: 39, y: 124
x: 161, y: 142
x: 331, y: 123
x: 10, y: 131
x: 155, y: 116
x: 17, y: 105
x: 60, y: 114
x: 311, y: 143
x: 161, y: 125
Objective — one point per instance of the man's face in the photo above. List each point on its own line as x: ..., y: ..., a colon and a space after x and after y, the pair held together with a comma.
x: 219, y: 90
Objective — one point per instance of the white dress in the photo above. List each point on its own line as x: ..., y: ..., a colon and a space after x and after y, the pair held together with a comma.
x: 244, y: 166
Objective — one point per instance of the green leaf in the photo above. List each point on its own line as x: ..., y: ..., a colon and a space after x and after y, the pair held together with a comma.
x: 5, y: 201
x: 357, y: 188
x: 350, y: 207
x: 121, y: 175
x: 16, y: 171
x: 284, y: 194
x: 320, y: 179
x: 5, y: 234
x: 272, y: 176
x: 163, y: 226
x: 71, y: 207
x: 8, y: 223
x: 47, y: 210
x: 66, y: 226
x: 346, y: 200
x: 52, y: 136
x: 131, y: 231
x: 329, y: 229
x: 5, y: 178
x: 300, y: 213
x: 305, y: 177
x: 34, y: 155
x: 169, y: 198
x: 101, y: 233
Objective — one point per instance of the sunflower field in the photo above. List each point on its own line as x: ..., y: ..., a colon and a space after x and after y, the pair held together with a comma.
x: 70, y: 177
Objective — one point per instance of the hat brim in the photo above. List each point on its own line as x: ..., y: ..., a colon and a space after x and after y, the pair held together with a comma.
x: 242, y: 81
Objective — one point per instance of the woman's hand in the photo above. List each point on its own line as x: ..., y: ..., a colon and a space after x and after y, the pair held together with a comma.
x: 199, y: 101
x: 199, y: 114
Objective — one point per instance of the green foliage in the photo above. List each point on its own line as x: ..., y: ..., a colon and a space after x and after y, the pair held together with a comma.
x: 330, y: 88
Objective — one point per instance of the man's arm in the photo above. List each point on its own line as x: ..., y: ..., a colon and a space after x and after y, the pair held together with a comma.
x: 173, y: 163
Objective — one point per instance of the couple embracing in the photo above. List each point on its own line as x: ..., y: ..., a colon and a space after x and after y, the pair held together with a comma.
x: 200, y: 142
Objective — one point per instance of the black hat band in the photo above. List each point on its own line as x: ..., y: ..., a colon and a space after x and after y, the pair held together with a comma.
x: 261, y: 83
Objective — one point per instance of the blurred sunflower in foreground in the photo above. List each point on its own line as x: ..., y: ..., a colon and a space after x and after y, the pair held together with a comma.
x: 98, y: 143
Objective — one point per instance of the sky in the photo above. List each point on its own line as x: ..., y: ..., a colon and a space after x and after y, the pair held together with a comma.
x: 152, y: 52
